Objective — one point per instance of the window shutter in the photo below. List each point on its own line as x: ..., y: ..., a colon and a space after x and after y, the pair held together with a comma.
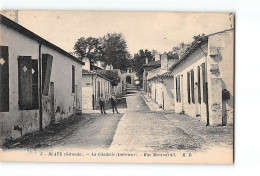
x: 25, y: 82
x: 4, y: 79
x: 73, y: 79
x: 35, y: 99
x: 188, y: 86
x: 204, y: 82
x: 179, y: 88
x: 176, y: 80
x: 46, y: 73
x: 192, y: 86
x: 199, y: 89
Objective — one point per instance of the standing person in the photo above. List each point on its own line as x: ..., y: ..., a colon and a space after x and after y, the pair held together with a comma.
x: 102, y: 104
x: 114, y: 103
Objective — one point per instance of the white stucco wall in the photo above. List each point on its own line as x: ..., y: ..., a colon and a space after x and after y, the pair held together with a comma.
x: 192, y: 62
x: 223, y: 66
x: 90, y: 88
x: 168, y: 92
x: 220, y: 76
x: 28, y: 120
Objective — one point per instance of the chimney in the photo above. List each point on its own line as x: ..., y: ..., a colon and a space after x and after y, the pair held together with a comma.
x: 157, y: 57
x: 109, y: 67
x: 164, y: 61
x: 99, y: 64
x: 87, y: 64
x: 146, y: 60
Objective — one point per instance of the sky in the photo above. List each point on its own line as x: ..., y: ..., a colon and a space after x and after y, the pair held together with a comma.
x: 142, y: 30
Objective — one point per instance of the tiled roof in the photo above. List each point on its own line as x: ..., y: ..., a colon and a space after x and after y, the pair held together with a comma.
x: 94, y: 67
x: 94, y: 72
x: 164, y: 75
x: 87, y: 72
x: 167, y: 74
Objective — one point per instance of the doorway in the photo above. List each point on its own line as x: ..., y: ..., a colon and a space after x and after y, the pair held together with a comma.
x: 128, y: 80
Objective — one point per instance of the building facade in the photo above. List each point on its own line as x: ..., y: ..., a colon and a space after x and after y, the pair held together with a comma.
x: 40, y: 82
x: 204, y: 79
x: 157, y: 81
x: 93, y: 85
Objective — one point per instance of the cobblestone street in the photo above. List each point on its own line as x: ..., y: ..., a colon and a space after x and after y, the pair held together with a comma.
x: 137, y: 128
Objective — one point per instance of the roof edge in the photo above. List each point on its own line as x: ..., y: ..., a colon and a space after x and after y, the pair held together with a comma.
x: 203, y: 40
x: 19, y: 28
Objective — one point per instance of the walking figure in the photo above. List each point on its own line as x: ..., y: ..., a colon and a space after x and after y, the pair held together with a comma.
x: 102, y: 104
x: 114, y: 103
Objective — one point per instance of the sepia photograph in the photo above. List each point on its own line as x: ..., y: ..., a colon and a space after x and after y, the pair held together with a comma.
x: 117, y: 86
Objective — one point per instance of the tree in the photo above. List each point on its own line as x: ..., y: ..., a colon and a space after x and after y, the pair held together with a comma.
x: 115, y: 51
x: 88, y: 48
x: 140, y: 59
x: 180, y: 49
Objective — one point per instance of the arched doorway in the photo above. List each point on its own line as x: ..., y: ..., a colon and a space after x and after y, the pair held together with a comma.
x: 128, y: 79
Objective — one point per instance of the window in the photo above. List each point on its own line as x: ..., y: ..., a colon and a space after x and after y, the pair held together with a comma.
x: 98, y: 91
x: 4, y: 79
x: 188, y: 86
x: 192, y: 86
x: 176, y: 81
x: 27, y: 83
x: 199, y: 89
x: 178, y: 92
x: 73, y: 79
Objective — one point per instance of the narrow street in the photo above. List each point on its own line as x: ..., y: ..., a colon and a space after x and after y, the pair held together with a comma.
x: 136, y: 128
x: 141, y: 129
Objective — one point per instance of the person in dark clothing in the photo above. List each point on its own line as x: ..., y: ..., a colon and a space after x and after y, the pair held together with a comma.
x: 113, y: 104
x: 101, y: 102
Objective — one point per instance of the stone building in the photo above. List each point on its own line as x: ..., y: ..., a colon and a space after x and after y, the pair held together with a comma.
x: 93, y: 85
x: 148, y: 66
x: 158, y: 81
x: 204, y: 79
x: 95, y: 80
x: 39, y: 82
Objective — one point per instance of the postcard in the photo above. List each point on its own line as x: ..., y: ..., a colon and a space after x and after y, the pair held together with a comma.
x: 117, y: 87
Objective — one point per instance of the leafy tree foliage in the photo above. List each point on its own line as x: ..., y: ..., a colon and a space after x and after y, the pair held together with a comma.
x: 115, y: 50
x: 88, y: 47
x: 139, y: 60
x: 180, y: 49
x: 111, y: 48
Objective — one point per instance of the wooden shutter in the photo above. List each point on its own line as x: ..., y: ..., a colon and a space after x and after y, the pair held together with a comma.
x: 4, y: 79
x: 35, y: 99
x: 188, y: 86
x: 25, y: 82
x: 176, y: 80
x: 204, y: 82
x: 46, y: 73
x: 199, y: 89
x: 73, y: 79
x: 179, y: 88
x: 192, y: 86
